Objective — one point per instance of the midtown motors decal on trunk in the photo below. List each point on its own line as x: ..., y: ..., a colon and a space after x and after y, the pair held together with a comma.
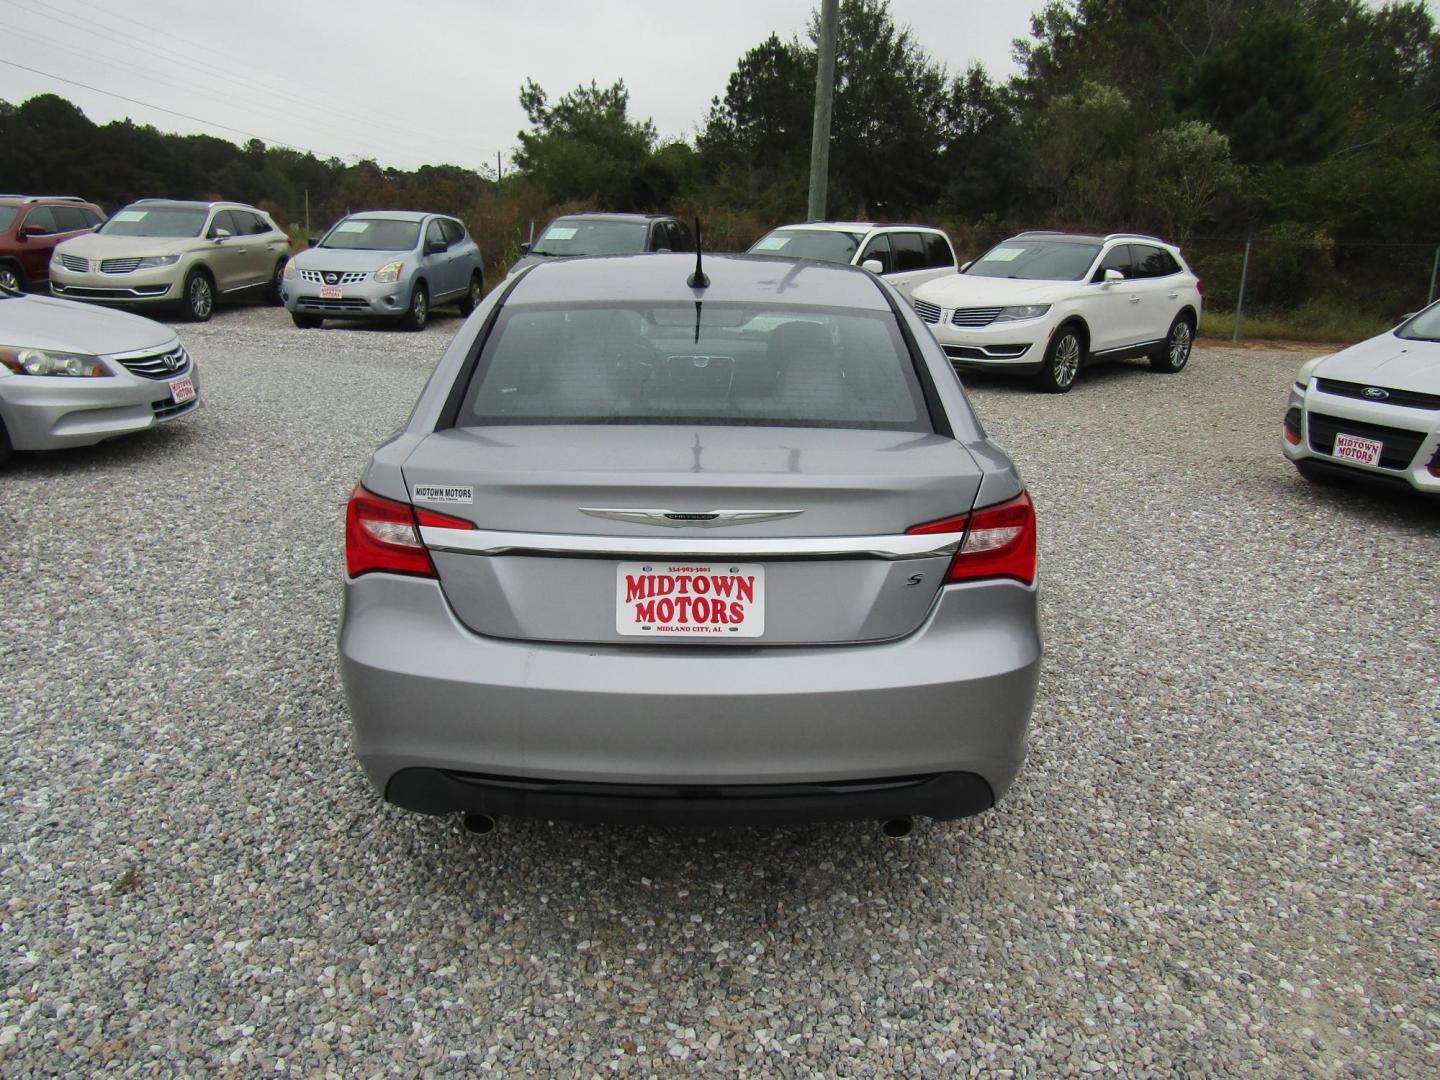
x: 690, y: 600
x: 441, y: 494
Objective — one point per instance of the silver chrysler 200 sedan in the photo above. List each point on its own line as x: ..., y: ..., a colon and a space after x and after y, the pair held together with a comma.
x: 668, y: 546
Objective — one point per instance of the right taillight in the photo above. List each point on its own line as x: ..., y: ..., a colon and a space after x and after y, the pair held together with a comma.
x: 1200, y: 286
x: 999, y: 541
x: 382, y: 534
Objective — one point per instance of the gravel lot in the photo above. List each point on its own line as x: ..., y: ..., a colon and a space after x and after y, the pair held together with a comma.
x: 1220, y: 859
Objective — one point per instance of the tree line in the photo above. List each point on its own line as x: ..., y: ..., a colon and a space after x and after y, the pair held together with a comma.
x: 1312, y: 126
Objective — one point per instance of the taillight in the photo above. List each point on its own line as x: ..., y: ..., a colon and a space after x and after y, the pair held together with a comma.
x: 999, y: 541
x: 382, y: 534
x: 1199, y: 286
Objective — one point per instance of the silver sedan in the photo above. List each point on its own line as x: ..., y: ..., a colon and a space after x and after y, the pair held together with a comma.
x: 662, y: 548
x: 72, y: 374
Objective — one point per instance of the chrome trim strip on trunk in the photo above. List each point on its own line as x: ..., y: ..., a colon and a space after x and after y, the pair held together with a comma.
x: 681, y: 519
x: 495, y: 542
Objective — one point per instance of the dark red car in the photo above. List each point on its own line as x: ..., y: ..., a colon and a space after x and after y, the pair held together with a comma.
x: 31, y: 226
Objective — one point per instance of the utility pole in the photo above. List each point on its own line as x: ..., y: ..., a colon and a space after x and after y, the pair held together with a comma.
x: 499, y: 171
x: 824, y: 94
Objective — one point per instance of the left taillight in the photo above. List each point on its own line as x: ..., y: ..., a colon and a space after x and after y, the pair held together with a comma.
x: 999, y: 541
x: 384, y: 535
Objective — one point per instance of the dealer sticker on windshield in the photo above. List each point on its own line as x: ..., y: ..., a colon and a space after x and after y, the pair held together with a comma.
x: 674, y: 601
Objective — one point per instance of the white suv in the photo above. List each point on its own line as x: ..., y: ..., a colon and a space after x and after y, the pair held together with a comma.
x: 904, y: 255
x: 1046, y: 304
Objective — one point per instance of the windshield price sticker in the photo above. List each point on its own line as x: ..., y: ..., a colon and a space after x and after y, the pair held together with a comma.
x: 441, y: 494
x: 1004, y: 254
x: 675, y: 601
x: 352, y: 226
x: 129, y: 215
x: 560, y: 232
x: 772, y: 243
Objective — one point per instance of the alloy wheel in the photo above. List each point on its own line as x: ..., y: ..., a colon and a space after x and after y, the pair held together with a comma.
x: 202, y: 297
x: 9, y: 278
x: 1180, y: 341
x: 1067, y: 360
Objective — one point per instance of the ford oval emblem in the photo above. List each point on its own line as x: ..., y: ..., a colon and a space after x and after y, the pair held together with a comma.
x: 1375, y: 393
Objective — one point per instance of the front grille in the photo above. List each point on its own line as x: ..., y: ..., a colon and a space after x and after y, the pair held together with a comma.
x: 163, y: 365
x: 334, y: 277
x: 118, y: 266
x: 314, y: 303
x: 167, y: 409
x: 75, y: 263
x: 929, y: 312
x: 1410, y: 399
x: 974, y: 316
x: 1399, y: 445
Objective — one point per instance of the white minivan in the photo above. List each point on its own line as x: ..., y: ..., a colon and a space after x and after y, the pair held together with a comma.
x: 904, y: 255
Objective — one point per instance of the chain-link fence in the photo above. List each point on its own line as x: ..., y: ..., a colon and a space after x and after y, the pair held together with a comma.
x: 1297, y: 277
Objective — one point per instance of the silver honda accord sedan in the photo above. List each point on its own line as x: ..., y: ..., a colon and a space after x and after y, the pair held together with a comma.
x: 691, y: 546
x: 73, y: 375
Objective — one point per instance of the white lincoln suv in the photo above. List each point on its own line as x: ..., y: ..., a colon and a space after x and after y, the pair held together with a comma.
x: 1046, y: 304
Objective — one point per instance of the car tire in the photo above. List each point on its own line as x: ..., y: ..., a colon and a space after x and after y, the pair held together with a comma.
x: 306, y: 322
x: 5, y: 447
x: 471, y: 300
x: 1174, y: 352
x: 417, y: 312
x: 12, y: 277
x: 1062, y: 360
x: 273, y: 292
x: 198, y: 296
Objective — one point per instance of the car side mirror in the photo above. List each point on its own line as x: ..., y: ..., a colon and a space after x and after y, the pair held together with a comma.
x: 1112, y: 275
x: 434, y: 247
x: 966, y: 265
x: 525, y: 247
x: 314, y: 241
x: 875, y: 266
x: 32, y: 230
x: 1408, y: 316
x: 220, y: 235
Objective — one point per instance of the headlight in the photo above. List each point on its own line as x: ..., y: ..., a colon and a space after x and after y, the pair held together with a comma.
x: 44, y: 362
x: 1016, y: 314
x: 389, y: 272
x: 1307, y: 369
x: 289, y: 274
x: 150, y: 261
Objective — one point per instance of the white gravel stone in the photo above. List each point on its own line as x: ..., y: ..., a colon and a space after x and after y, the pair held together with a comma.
x: 1220, y: 859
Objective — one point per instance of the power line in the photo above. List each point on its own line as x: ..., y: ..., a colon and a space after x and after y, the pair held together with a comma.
x: 214, y: 70
x: 161, y: 108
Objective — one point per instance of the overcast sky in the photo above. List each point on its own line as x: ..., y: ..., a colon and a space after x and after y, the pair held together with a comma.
x: 411, y: 83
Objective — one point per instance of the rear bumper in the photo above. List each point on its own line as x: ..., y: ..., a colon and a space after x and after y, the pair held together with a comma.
x: 943, y: 797
x: 426, y: 693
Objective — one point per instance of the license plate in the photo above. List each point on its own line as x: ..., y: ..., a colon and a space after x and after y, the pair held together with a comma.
x: 330, y: 292
x: 684, y: 601
x: 1354, y: 448
x: 182, y: 390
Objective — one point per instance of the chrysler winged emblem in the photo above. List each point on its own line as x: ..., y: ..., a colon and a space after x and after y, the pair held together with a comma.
x: 684, y: 519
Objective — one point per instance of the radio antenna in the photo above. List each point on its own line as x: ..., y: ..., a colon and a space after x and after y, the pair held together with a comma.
x: 698, y: 280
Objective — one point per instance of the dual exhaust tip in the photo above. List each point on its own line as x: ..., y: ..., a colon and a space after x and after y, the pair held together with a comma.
x: 893, y: 828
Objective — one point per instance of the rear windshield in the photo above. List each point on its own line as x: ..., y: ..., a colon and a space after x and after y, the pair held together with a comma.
x: 822, y: 244
x: 738, y: 364
x: 8, y: 214
x: 170, y: 221
x: 578, y: 236
x: 373, y: 234
x: 1036, y: 260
